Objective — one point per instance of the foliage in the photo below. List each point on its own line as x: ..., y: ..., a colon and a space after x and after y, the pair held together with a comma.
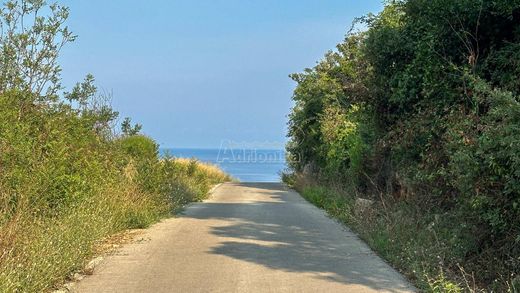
x: 139, y: 147
x: 30, y: 43
x: 128, y: 129
x: 422, y: 107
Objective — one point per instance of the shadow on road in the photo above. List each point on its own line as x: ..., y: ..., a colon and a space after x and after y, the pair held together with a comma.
x: 279, y: 230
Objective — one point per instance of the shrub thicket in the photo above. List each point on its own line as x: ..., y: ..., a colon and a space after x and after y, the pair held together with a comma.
x: 66, y: 180
x: 423, y: 107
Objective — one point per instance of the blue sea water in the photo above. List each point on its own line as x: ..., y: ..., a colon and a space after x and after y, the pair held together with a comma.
x: 246, y: 165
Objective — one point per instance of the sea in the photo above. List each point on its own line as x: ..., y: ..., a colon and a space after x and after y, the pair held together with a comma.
x: 246, y: 165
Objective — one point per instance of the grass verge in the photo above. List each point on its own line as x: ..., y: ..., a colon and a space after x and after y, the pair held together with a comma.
x: 43, y: 251
x: 428, y: 248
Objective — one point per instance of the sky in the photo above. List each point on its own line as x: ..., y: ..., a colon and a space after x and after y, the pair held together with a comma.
x: 200, y: 73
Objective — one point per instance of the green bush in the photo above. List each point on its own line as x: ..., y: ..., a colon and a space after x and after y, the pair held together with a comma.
x: 139, y: 147
x: 484, y: 152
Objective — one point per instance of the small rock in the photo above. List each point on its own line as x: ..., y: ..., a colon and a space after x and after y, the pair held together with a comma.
x: 78, y: 277
x: 363, y: 204
x: 89, y: 268
x: 363, y: 207
x: 69, y: 287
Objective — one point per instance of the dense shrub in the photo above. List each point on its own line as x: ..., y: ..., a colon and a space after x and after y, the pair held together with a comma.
x: 139, y: 147
x: 422, y: 107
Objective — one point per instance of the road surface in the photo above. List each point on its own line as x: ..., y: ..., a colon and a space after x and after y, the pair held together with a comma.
x: 248, y: 237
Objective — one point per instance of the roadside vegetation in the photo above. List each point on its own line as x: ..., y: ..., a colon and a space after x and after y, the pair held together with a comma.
x: 67, y: 179
x: 409, y: 132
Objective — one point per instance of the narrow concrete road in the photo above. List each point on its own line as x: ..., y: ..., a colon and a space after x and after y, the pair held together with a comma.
x: 248, y: 237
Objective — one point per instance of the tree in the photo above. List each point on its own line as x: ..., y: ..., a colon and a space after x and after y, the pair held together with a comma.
x: 128, y: 129
x: 30, y: 45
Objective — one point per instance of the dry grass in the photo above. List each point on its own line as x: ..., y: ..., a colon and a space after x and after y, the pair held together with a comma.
x: 42, y: 251
x: 211, y: 170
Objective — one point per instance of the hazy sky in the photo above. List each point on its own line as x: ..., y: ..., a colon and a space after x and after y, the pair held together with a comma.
x: 196, y: 72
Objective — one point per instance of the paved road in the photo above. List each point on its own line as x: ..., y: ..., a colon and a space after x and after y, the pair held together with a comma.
x: 248, y: 237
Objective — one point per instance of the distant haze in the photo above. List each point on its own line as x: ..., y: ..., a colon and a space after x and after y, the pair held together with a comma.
x: 196, y: 73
